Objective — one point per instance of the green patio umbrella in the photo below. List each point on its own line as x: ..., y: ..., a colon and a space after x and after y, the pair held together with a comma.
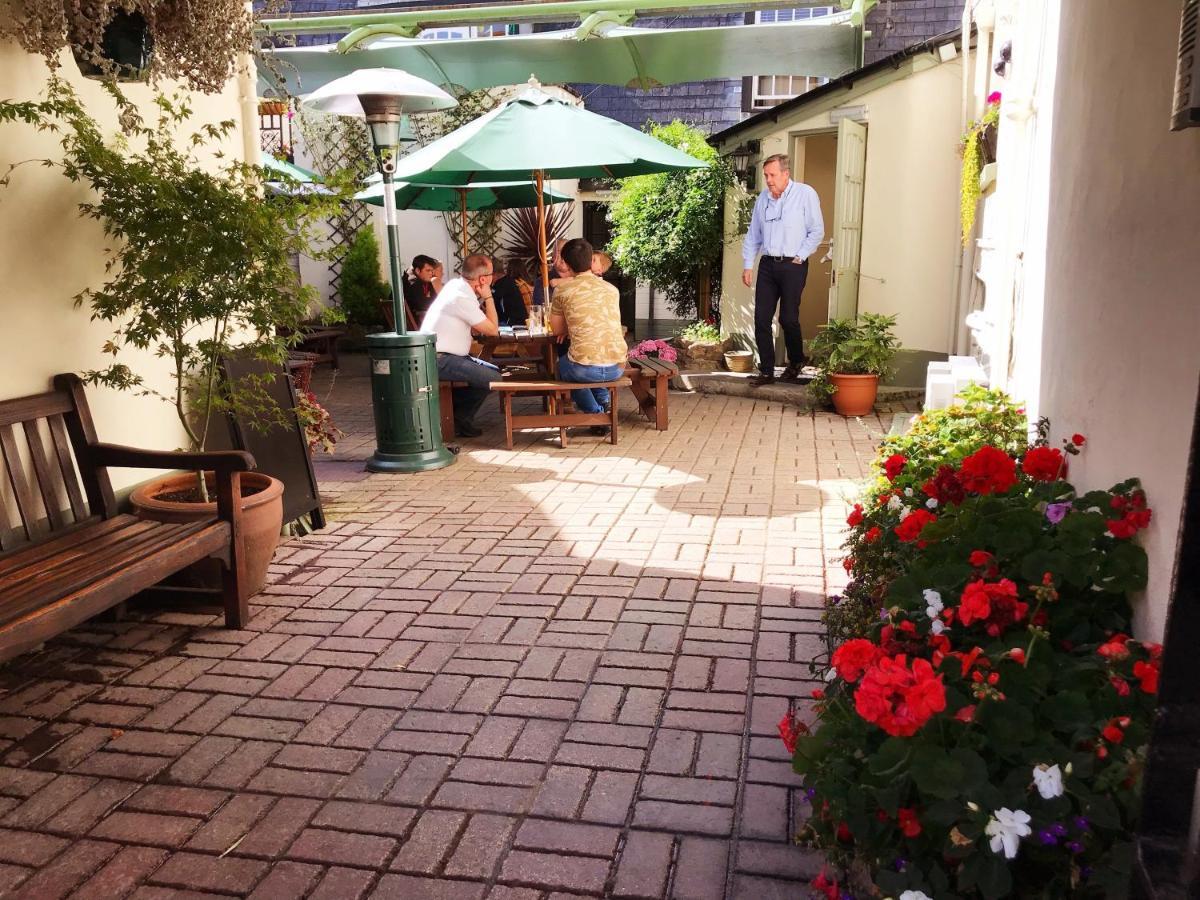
x: 288, y: 178
x: 540, y: 134
x: 482, y: 195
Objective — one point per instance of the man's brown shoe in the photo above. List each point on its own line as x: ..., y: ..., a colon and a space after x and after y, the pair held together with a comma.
x: 760, y: 380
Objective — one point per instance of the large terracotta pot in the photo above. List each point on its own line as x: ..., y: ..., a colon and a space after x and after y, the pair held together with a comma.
x: 855, y: 394
x: 262, y: 515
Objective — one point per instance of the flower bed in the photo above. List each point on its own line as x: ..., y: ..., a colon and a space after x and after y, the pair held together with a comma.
x: 984, y: 735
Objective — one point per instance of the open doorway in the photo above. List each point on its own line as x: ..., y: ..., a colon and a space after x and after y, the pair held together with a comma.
x: 597, y: 231
x: 814, y: 162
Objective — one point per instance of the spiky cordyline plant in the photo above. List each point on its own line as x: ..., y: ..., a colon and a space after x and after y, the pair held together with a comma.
x: 522, y: 228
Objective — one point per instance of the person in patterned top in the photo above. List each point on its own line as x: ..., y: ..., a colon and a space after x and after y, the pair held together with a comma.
x: 587, y: 309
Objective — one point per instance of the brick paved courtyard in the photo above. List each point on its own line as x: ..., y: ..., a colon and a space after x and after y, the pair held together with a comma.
x: 539, y: 673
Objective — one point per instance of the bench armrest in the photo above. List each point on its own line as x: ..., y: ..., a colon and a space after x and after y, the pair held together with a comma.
x: 220, y: 461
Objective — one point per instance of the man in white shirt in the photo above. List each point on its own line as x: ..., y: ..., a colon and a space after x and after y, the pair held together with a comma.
x: 463, y: 306
x: 786, y: 227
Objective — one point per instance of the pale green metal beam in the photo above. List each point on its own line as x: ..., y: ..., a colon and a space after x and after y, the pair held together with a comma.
x: 555, y: 11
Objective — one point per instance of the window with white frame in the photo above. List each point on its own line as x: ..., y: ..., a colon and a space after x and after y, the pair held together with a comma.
x: 771, y: 90
x: 459, y: 32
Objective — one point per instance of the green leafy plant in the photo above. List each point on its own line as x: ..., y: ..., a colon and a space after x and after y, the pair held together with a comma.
x: 200, y: 264
x: 521, y: 227
x: 985, y: 737
x: 668, y: 228
x: 862, y: 346
x: 361, y: 287
x: 701, y: 332
x: 972, y: 166
x: 934, y: 440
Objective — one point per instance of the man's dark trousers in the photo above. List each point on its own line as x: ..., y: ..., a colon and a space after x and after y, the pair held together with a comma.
x: 780, y: 284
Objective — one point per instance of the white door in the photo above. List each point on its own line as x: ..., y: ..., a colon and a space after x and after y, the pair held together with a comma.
x: 847, y: 219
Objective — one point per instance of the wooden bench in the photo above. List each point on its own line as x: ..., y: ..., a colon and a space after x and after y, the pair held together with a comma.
x: 650, y: 380
x: 68, y: 553
x: 558, y: 396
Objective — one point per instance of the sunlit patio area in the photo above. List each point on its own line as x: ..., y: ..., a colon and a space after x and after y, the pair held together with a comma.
x: 534, y: 673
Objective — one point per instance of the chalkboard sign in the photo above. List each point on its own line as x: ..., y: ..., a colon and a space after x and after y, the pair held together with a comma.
x: 280, y: 448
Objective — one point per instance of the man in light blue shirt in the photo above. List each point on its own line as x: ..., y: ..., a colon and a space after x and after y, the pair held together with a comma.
x: 786, y: 228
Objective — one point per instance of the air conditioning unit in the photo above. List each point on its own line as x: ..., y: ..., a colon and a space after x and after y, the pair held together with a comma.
x: 1186, y: 108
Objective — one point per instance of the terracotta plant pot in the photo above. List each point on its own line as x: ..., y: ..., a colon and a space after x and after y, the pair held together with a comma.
x: 855, y: 394
x: 262, y: 515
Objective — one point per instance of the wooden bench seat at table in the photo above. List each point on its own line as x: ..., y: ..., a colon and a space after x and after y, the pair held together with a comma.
x: 559, y: 414
x: 650, y: 381
x: 69, y: 553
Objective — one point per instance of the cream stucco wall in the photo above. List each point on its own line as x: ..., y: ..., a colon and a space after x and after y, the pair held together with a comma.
x: 1118, y: 358
x: 48, y: 254
x: 910, y: 210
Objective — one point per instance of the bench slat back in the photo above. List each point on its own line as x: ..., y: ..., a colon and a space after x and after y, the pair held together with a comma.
x: 44, y: 473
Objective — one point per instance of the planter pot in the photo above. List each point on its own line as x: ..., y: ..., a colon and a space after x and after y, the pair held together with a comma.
x: 127, y: 44
x: 739, y: 360
x: 855, y: 394
x: 262, y: 515
x: 272, y: 107
x: 987, y: 144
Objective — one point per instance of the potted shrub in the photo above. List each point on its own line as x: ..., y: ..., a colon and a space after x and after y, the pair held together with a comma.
x: 851, y: 355
x: 199, y: 268
x: 197, y: 43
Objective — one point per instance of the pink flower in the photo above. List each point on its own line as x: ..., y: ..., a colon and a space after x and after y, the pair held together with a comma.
x: 993, y: 97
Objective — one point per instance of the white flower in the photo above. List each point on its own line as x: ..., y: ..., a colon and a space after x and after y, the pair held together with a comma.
x: 933, y: 602
x: 932, y: 503
x: 908, y: 492
x: 915, y: 895
x: 937, y: 626
x: 894, y: 502
x: 830, y: 675
x: 1048, y: 780
x: 1006, y: 827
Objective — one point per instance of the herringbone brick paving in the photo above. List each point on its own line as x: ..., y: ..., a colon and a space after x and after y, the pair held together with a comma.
x: 534, y: 674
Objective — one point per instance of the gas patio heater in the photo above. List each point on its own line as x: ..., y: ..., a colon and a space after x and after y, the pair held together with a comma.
x: 404, y: 392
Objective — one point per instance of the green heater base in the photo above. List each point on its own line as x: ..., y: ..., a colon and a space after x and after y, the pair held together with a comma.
x: 404, y: 395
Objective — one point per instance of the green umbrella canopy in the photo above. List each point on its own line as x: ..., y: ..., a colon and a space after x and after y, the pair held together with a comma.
x: 276, y: 167
x: 481, y: 195
x: 538, y: 132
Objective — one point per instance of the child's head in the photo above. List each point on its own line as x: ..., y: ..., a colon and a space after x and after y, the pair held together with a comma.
x: 601, y: 262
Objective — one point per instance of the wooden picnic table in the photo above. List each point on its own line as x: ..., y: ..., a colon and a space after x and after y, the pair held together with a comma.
x: 541, y: 349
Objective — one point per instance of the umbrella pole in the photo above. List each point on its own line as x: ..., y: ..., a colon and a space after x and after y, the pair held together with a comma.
x: 539, y: 177
x: 462, y: 197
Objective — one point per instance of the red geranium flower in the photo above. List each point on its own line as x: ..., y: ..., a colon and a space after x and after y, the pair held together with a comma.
x: 1120, y: 685
x: 993, y: 603
x: 856, y: 516
x: 898, y: 699
x: 790, y: 729
x: 913, y: 524
x: 894, y: 465
x: 1147, y: 673
x: 910, y: 825
x: 872, y: 534
x: 945, y: 487
x: 1112, y: 733
x: 966, y: 713
x: 1114, y: 648
x: 1078, y: 439
x: 854, y: 657
x: 988, y: 471
x: 980, y: 558
x: 1043, y: 463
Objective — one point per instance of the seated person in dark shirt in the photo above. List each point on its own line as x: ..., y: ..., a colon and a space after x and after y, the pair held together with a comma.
x: 510, y: 303
x: 419, y: 290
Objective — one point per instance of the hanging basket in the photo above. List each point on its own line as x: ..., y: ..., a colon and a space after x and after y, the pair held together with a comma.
x: 128, y: 47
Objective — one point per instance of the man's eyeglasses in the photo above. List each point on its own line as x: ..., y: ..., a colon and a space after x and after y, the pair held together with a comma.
x: 773, y: 211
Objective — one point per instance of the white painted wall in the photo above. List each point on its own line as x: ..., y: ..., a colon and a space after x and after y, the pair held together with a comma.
x: 910, y: 211
x: 1118, y: 358
x: 50, y: 254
